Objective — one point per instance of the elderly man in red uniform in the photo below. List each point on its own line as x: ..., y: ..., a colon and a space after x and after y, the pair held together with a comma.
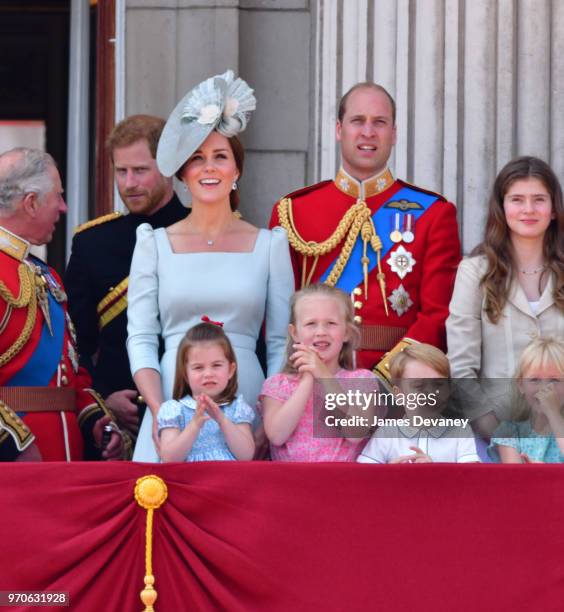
x: 45, y: 397
x: 393, y: 246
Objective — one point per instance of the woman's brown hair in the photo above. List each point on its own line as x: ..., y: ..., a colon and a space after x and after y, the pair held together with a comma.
x: 203, y: 332
x: 239, y: 155
x: 497, y: 247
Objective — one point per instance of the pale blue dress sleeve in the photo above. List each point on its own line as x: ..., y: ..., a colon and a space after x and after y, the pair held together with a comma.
x: 279, y: 291
x: 242, y: 412
x: 143, y: 325
x: 170, y: 415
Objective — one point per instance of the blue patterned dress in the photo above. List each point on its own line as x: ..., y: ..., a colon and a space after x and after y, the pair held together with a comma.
x: 524, y: 439
x: 210, y: 445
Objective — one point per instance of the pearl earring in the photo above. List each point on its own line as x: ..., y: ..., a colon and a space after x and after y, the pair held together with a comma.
x: 234, y: 186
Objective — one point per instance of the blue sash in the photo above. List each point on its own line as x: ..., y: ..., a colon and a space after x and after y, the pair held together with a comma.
x: 383, y: 218
x: 42, y: 365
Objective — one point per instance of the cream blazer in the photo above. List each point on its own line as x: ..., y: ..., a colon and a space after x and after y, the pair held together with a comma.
x: 479, y: 349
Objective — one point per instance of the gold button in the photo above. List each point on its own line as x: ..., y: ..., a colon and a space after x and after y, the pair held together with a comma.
x: 358, y: 319
x: 357, y: 291
x: 357, y: 304
x: 63, y: 367
x: 64, y: 380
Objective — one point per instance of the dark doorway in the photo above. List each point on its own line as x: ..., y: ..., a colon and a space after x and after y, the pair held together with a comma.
x: 34, y: 61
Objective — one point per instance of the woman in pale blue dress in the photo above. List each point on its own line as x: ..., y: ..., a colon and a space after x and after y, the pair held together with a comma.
x: 210, y: 263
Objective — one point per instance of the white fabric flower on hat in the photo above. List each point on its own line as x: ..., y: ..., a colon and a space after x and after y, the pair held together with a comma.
x: 209, y: 113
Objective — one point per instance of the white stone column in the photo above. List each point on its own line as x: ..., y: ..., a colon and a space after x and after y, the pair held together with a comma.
x: 77, y: 148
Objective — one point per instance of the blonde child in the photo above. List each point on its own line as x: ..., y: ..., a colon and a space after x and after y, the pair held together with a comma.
x: 206, y: 420
x: 321, y: 342
x: 536, y: 432
x: 422, y: 369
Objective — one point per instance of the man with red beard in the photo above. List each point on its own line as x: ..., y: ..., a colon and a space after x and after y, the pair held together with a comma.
x: 98, y: 269
x: 393, y: 246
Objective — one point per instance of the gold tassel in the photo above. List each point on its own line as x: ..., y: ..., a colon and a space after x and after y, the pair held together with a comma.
x: 366, y: 235
x: 376, y: 244
x: 150, y: 493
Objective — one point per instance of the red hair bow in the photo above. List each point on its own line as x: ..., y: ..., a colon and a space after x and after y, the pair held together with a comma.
x: 206, y: 319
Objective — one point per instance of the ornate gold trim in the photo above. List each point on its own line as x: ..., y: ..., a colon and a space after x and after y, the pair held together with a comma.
x: 27, y: 284
x: 11, y: 422
x: 113, y: 312
x: 363, y: 189
x: 97, y: 221
x: 26, y: 298
x: 113, y: 294
x: 357, y: 220
x: 118, y: 295
x: 13, y: 245
x: 382, y: 368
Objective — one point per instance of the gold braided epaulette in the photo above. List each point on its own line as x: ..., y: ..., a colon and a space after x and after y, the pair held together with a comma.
x: 25, y: 299
x: 348, y: 229
x: 97, y: 221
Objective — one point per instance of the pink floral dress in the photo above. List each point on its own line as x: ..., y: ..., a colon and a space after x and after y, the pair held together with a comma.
x: 302, y: 445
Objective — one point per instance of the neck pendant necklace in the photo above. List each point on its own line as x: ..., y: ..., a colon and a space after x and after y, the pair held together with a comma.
x: 534, y: 271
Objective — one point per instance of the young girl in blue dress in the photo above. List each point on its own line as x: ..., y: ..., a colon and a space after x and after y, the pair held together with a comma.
x: 206, y: 420
x: 536, y: 432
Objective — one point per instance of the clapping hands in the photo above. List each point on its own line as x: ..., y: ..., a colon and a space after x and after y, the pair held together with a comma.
x: 306, y: 360
x: 207, y: 409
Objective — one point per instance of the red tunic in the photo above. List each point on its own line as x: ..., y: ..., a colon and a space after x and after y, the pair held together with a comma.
x: 25, y: 362
x: 317, y: 211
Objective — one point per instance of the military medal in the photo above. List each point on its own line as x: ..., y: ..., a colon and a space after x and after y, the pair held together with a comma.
x: 395, y: 235
x: 400, y: 301
x: 408, y: 235
x: 401, y: 261
x: 55, y: 290
x: 41, y: 293
x: 43, y: 300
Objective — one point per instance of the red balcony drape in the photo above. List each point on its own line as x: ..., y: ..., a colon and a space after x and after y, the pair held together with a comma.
x: 279, y: 537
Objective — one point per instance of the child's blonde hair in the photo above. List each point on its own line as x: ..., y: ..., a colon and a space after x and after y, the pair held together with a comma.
x: 204, y: 332
x: 346, y: 356
x: 539, y: 353
x: 424, y: 353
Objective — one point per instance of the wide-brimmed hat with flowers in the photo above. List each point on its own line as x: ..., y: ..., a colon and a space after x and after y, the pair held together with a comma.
x: 220, y: 103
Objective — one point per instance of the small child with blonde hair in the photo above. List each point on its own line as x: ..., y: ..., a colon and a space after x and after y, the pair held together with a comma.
x: 321, y: 342
x: 535, y: 433
x: 423, y: 370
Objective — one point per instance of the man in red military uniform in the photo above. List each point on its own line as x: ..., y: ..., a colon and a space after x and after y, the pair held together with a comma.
x: 393, y: 246
x: 45, y: 397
